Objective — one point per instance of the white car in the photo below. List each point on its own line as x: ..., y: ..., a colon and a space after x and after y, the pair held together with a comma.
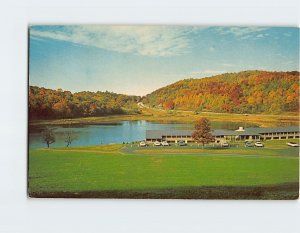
x: 182, y: 143
x: 142, y: 144
x: 165, y: 143
x: 157, y: 143
x: 258, y: 144
x: 224, y: 144
x: 293, y: 144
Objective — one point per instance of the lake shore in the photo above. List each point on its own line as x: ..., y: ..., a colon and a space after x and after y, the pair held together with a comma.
x: 262, y: 120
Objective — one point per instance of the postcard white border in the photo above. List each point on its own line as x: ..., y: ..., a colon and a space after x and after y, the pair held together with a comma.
x: 20, y: 214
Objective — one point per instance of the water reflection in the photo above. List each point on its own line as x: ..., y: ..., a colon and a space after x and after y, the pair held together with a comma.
x: 115, y: 132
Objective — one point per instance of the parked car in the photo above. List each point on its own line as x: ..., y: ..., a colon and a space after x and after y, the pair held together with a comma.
x: 181, y: 143
x: 258, y: 144
x: 156, y: 143
x: 164, y: 143
x: 249, y: 144
x: 293, y: 144
x: 143, y: 143
x: 224, y: 144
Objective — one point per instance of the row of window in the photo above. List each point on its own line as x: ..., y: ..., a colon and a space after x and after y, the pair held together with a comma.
x: 282, y: 133
x: 268, y: 136
x: 176, y: 136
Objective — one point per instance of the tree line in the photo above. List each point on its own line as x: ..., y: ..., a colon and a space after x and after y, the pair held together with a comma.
x: 50, y: 104
x: 243, y: 92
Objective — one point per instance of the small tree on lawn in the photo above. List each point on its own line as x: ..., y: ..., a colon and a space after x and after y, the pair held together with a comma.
x: 70, y: 137
x: 48, y: 137
x: 202, y: 132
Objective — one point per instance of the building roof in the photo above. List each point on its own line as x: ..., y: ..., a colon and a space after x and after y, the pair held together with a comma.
x: 286, y: 129
x: 153, y: 134
x: 223, y: 132
x: 157, y: 134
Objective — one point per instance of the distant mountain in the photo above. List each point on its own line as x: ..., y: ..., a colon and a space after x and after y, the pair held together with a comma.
x: 48, y: 104
x: 243, y: 92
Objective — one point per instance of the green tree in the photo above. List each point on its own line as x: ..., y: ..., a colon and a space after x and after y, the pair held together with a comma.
x: 202, y: 132
x: 48, y: 137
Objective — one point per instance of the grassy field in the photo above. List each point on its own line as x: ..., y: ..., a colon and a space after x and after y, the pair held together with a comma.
x: 127, y: 171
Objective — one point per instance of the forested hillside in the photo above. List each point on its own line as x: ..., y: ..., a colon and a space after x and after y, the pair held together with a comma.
x: 243, y: 92
x: 48, y: 104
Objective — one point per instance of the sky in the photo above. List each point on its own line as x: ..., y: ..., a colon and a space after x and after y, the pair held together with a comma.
x: 137, y: 60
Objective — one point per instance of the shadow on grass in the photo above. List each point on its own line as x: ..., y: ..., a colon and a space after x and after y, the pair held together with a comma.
x: 288, y: 191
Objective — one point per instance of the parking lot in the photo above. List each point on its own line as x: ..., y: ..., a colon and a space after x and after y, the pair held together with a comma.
x: 271, y: 148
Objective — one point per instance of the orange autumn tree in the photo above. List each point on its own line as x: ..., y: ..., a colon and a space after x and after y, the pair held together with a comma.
x: 202, y: 132
x: 169, y: 105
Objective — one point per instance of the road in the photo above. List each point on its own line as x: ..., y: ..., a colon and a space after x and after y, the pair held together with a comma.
x: 142, y: 105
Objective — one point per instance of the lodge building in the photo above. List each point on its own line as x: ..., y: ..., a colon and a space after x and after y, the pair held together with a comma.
x: 241, y: 134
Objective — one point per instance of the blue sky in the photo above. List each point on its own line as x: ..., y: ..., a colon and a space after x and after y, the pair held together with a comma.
x: 139, y: 59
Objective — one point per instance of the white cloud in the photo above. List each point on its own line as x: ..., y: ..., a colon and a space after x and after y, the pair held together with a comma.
x: 227, y: 65
x: 207, y: 72
x: 193, y: 74
x: 241, y: 32
x: 161, y: 41
x: 37, y: 38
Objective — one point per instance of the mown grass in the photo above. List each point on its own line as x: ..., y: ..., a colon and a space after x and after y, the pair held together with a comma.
x: 108, y: 169
x: 103, y: 149
x: 234, y: 152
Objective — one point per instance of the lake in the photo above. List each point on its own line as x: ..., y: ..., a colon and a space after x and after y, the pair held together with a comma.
x: 115, y: 132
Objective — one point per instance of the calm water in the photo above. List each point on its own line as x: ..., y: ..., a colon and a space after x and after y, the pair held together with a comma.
x: 117, y: 132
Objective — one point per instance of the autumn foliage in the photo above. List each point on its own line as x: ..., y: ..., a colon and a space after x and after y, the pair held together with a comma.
x: 169, y: 105
x: 243, y: 92
x: 48, y: 104
x: 202, y: 133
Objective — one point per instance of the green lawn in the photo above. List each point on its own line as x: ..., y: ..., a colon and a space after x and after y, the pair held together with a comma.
x: 115, y: 168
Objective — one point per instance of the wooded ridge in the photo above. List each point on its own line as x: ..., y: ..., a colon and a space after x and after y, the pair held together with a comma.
x: 50, y: 104
x: 242, y: 92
